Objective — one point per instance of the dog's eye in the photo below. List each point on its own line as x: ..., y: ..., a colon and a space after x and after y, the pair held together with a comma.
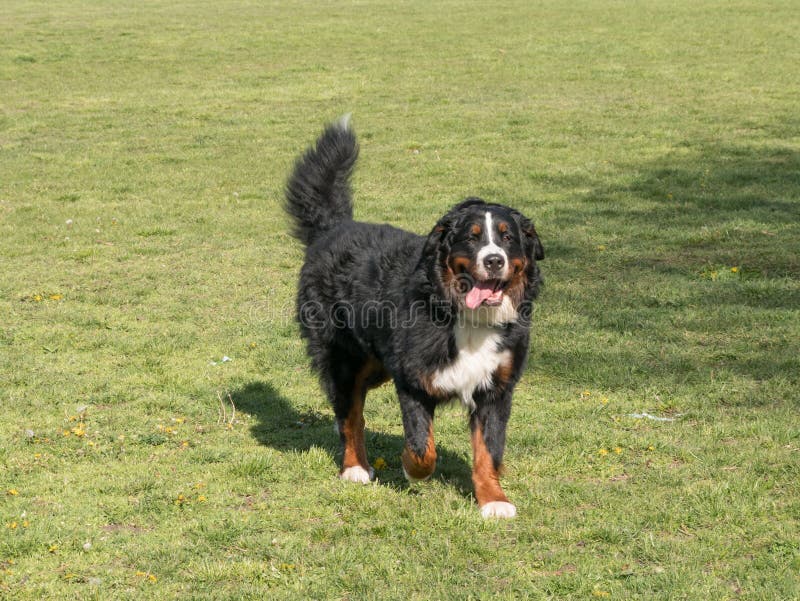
x: 507, y: 237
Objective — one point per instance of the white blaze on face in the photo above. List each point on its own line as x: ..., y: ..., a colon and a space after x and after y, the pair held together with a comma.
x: 490, y: 248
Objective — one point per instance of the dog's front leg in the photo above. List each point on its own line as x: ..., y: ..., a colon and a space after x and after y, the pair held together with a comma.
x: 488, y: 424
x: 419, y: 454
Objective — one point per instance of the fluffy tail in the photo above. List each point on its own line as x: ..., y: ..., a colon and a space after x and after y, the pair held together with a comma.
x: 318, y: 192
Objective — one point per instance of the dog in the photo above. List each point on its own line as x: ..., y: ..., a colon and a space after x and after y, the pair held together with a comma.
x: 445, y: 316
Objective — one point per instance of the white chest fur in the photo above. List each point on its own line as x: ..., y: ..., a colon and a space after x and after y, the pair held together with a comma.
x: 477, y: 359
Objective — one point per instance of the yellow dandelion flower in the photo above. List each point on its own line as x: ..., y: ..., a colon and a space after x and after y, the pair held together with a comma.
x: 601, y: 593
x: 618, y: 450
x: 380, y: 463
x: 178, y: 420
x: 13, y: 492
x: 140, y: 573
x: 11, y: 525
x: 604, y: 400
x: 601, y: 247
x: 252, y: 345
x: 201, y: 498
x: 56, y: 297
x: 25, y: 523
x: 37, y: 298
x: 651, y: 448
x: 185, y: 444
x: 52, y: 549
x: 734, y: 270
x: 152, y: 578
x: 602, y: 452
x: 37, y: 455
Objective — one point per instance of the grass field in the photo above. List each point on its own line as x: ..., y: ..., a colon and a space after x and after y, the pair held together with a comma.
x: 143, y: 150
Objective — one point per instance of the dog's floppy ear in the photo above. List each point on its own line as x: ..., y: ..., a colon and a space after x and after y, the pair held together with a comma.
x: 538, y: 249
x: 533, y: 246
x: 440, y: 234
x: 433, y: 260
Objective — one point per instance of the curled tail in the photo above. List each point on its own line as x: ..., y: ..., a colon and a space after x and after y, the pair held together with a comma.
x: 318, y: 193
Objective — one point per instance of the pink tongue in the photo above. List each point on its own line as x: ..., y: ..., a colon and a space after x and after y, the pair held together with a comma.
x: 481, y: 292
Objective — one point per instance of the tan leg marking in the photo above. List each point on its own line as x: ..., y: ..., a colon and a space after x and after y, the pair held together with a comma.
x: 484, y: 476
x: 352, y: 428
x: 420, y: 467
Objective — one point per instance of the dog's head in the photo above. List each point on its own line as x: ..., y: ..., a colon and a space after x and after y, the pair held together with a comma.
x: 484, y: 256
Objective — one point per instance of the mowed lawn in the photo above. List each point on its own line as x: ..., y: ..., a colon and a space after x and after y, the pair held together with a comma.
x: 162, y: 435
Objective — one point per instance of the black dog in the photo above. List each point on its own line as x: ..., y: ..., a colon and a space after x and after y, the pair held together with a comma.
x: 445, y: 315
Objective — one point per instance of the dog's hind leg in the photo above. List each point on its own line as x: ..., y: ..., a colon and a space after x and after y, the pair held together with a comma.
x: 350, y: 381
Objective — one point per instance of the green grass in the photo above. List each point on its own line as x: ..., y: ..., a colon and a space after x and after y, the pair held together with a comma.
x: 143, y: 149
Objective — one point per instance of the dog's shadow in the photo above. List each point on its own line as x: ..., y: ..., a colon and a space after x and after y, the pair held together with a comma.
x: 281, y: 426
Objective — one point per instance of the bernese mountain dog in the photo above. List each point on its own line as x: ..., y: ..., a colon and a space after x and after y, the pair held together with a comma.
x: 444, y: 316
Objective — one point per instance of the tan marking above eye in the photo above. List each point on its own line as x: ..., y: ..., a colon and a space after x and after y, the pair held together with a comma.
x: 503, y: 227
x: 475, y: 229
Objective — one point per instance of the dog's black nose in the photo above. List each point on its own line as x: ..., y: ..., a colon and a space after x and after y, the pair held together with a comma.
x: 494, y: 262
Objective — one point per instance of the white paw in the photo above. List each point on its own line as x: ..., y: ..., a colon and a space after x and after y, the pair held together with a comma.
x: 498, y: 509
x: 413, y: 480
x: 358, y: 474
